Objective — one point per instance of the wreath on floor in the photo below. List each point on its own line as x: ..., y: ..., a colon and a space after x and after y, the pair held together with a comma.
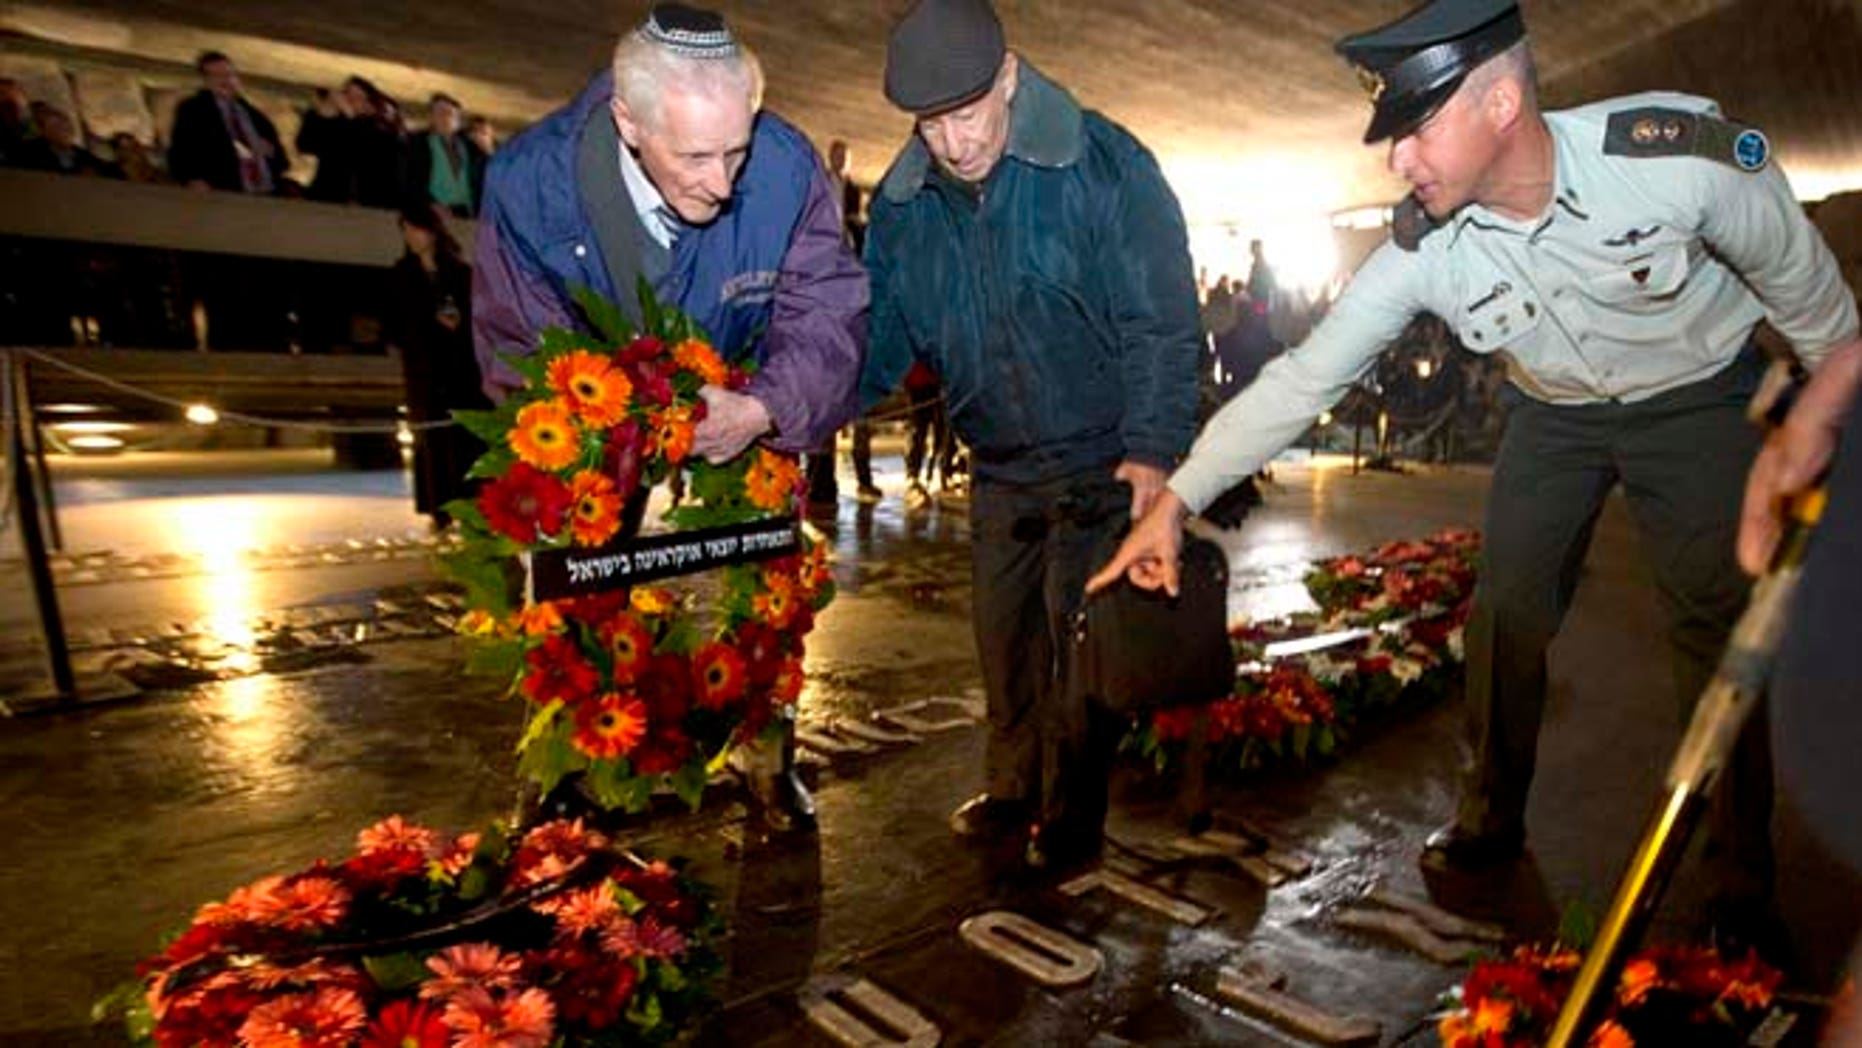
x: 645, y: 687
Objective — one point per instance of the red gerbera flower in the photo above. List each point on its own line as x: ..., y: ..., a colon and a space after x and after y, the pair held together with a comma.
x: 559, y: 672
x: 644, y: 348
x: 525, y: 503
x: 303, y: 904
x: 721, y: 675
x: 665, y: 685
x: 577, y: 912
x: 762, y: 649
x: 473, y: 965
x: 632, y: 644
x: 394, y: 834
x: 551, y: 850
x: 664, y: 751
x: 596, y: 991
x: 610, y: 727
x: 407, y: 1024
x: 789, y: 681
x: 329, y: 1018
x: 515, y: 1020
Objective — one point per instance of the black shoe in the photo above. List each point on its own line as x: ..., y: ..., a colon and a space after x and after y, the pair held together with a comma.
x: 1455, y: 848
x: 1062, y: 849
x: 986, y: 816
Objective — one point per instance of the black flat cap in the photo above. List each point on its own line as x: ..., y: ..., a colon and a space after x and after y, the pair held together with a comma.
x: 1414, y: 64
x: 690, y: 31
x: 942, y: 54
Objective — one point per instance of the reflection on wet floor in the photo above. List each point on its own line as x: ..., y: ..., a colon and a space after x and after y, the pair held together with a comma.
x: 133, y: 815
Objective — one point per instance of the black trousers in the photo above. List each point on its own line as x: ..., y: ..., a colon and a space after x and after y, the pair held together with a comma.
x: 1034, y: 546
x: 1682, y: 458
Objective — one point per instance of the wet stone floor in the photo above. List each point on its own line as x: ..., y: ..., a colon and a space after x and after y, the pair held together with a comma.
x: 301, y: 690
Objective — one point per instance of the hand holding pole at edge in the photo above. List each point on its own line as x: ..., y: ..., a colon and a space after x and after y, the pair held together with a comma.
x: 1796, y: 453
x: 1149, y: 555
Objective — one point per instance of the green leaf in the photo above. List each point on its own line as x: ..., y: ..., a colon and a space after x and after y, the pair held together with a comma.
x: 645, y: 1012
x: 502, y: 659
x: 689, y: 783
x: 475, y: 883
x: 631, y: 904
x: 604, y: 316
x: 396, y: 971
x: 485, y: 578
x: 1302, y: 738
x: 671, y: 979
x: 694, y: 516
x: 614, y: 785
x: 540, y: 725
x: 1577, y: 927
x: 533, y: 368
x: 1325, y: 740
x: 552, y: 756
x: 651, y: 316
x: 494, y: 463
x: 488, y: 426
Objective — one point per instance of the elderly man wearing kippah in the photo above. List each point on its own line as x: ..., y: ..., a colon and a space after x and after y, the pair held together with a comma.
x: 1030, y: 253
x: 666, y: 169
x: 1619, y: 256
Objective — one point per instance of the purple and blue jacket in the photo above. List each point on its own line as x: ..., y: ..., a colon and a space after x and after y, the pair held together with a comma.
x: 771, y: 279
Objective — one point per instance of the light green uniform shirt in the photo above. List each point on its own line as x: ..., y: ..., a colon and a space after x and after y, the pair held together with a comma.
x: 1644, y: 274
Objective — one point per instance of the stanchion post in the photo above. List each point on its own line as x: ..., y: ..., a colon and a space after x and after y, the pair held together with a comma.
x: 32, y: 539
x: 41, y: 472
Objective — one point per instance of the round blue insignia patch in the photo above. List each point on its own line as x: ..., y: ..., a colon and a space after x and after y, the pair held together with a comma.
x: 1751, y: 150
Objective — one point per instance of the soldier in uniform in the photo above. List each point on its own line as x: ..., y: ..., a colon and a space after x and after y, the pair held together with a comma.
x: 1618, y: 257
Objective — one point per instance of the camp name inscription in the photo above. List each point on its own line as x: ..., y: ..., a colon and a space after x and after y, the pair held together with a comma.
x: 563, y: 573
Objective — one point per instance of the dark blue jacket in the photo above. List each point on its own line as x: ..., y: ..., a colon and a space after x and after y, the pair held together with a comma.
x: 771, y: 278
x: 1057, y: 305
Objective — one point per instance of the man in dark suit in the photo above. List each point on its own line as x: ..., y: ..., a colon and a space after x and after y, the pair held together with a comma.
x: 444, y: 166
x: 222, y: 141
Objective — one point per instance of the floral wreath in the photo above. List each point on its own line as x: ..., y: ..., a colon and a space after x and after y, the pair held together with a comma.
x: 549, y: 936
x: 646, y: 686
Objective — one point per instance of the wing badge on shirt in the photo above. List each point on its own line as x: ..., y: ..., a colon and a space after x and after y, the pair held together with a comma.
x: 1632, y: 237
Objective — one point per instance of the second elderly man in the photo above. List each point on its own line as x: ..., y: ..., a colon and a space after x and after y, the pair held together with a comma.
x: 1029, y: 251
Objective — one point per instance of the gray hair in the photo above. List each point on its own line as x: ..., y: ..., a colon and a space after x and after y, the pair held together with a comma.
x: 644, y: 70
x: 1516, y: 64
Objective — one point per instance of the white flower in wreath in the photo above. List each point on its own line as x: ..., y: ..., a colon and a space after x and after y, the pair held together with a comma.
x: 1456, y: 645
x: 1406, y: 670
x: 1327, y: 670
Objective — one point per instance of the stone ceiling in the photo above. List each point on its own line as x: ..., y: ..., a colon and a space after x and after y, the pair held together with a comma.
x: 1244, y: 102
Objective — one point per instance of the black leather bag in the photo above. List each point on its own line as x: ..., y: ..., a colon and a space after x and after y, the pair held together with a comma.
x: 1136, y: 650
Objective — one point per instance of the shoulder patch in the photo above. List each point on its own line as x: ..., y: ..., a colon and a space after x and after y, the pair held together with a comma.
x: 1410, y: 224
x: 1654, y: 131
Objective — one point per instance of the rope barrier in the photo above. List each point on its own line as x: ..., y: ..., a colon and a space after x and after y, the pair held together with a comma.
x: 234, y: 416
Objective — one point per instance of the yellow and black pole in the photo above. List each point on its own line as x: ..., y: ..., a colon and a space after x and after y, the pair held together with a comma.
x: 1724, y: 708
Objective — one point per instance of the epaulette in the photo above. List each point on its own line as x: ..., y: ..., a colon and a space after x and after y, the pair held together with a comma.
x: 1410, y: 224
x: 1654, y: 131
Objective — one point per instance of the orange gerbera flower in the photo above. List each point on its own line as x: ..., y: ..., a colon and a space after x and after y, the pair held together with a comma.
x: 632, y: 644
x: 596, y: 515
x: 771, y: 479
x: 789, y: 681
x: 545, y: 435
x: 672, y: 434
x: 696, y: 356
x: 1639, y: 977
x: 1489, y: 1021
x: 611, y: 726
x: 721, y: 674
x: 652, y: 600
x: 777, y: 606
x: 538, y: 619
x: 1611, y: 1035
x: 597, y: 390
